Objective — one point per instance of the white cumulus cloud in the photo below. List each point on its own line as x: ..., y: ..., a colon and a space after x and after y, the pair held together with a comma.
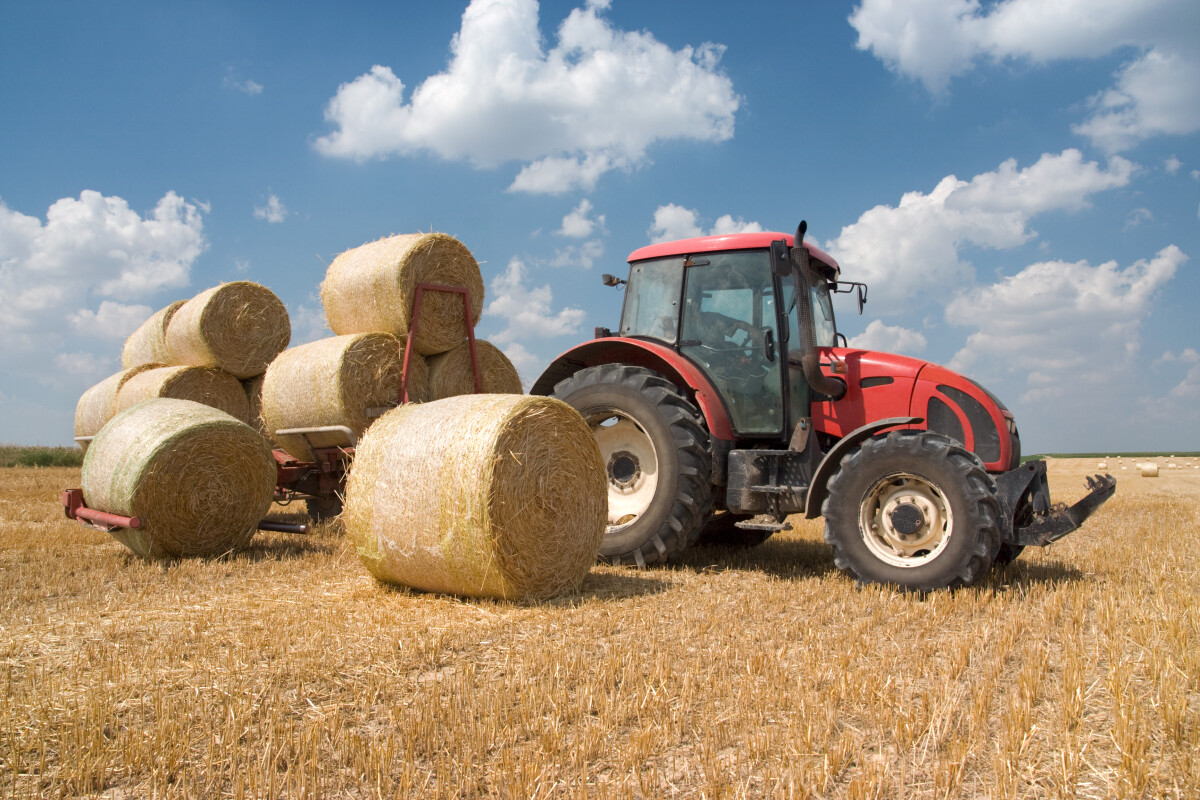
x: 528, y: 312
x: 1063, y: 325
x: 1155, y: 93
x: 274, y: 211
x: 913, y: 249
x: 890, y: 339
x: 593, y: 102
x: 673, y: 222
x: 578, y: 225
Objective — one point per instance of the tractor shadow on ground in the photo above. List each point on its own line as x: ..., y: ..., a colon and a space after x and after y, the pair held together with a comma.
x: 1023, y: 574
x: 783, y: 558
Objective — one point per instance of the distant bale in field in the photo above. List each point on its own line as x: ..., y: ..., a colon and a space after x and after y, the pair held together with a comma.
x: 336, y: 381
x: 373, y: 287
x: 98, y: 404
x: 1148, y: 469
x: 1102, y: 465
x: 148, y: 344
x: 239, y: 327
x: 482, y: 495
x: 198, y: 479
x: 207, y: 385
x: 450, y: 373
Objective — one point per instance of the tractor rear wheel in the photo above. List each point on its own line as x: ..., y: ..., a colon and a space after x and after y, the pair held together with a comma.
x: 656, y: 455
x: 912, y: 509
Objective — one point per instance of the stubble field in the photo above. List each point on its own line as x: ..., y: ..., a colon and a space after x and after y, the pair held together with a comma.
x: 286, y: 671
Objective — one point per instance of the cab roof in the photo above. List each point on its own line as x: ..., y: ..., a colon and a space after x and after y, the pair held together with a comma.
x: 760, y: 240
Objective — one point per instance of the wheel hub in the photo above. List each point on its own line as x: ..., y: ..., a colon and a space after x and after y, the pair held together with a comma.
x: 906, y: 520
x: 623, y: 469
x: 631, y: 465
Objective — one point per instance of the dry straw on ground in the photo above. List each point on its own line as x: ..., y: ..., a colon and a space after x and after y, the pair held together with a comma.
x: 342, y: 380
x: 198, y: 479
x: 480, y: 495
x: 451, y: 374
x: 148, y: 344
x: 206, y: 385
x: 372, y: 288
x: 98, y: 404
x: 239, y: 327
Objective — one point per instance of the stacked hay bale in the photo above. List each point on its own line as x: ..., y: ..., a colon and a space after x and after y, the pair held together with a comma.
x: 373, y: 288
x: 344, y: 381
x: 98, y: 404
x: 198, y: 479
x: 207, y: 385
x: 481, y: 495
x: 148, y: 344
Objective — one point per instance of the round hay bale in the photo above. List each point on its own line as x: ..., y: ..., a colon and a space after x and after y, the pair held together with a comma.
x: 483, y: 495
x: 207, y: 385
x: 239, y: 327
x: 450, y: 373
x: 198, y: 479
x: 342, y: 380
x: 1149, y: 469
x: 98, y: 404
x: 1102, y: 465
x: 373, y: 287
x: 253, y: 389
x: 148, y: 344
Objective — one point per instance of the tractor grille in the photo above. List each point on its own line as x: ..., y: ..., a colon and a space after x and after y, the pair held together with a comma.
x: 944, y: 421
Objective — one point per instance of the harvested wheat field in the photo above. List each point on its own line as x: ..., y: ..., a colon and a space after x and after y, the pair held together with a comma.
x: 287, y: 671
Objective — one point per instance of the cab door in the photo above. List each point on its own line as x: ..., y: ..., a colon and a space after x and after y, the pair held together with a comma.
x: 729, y: 328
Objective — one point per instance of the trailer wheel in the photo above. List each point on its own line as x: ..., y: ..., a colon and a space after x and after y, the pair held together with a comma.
x: 722, y: 531
x: 656, y: 453
x: 912, y: 509
x: 323, y: 509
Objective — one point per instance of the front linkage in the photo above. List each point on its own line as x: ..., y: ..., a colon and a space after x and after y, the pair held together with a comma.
x: 1031, y: 520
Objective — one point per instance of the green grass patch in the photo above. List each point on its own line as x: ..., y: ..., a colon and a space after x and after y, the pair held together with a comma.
x: 12, y: 455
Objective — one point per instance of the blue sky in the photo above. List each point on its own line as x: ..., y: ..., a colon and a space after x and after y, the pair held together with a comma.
x: 1018, y: 181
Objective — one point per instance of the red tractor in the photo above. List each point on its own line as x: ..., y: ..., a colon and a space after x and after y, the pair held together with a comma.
x: 727, y: 400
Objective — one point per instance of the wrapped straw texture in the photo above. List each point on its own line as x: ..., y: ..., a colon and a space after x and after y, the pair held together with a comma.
x: 99, y: 403
x: 450, y: 373
x: 485, y: 495
x: 253, y: 388
x: 148, y: 344
x: 199, y: 479
x: 239, y: 327
x: 336, y: 381
x: 206, y: 385
x: 373, y: 287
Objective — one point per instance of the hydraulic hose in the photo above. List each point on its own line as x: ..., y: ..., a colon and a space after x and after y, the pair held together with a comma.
x: 810, y: 360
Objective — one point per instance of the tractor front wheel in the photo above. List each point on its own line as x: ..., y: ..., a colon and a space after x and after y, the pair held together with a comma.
x: 912, y: 509
x: 656, y: 456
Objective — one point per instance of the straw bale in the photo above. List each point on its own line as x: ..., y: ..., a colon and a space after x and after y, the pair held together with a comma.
x: 199, y: 479
x: 239, y: 327
x: 372, y: 288
x: 148, y: 344
x: 336, y: 381
x: 450, y: 372
x: 207, y: 385
x: 253, y: 389
x: 98, y: 404
x: 487, y: 495
x: 1148, y: 469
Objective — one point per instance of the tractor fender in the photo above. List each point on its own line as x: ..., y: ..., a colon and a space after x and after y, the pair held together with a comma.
x: 829, y: 464
x: 642, y: 353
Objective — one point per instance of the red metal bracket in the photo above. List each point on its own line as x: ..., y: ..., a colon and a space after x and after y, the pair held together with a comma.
x: 76, y: 509
x: 415, y: 321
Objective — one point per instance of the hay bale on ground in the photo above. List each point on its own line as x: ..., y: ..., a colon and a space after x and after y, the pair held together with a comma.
x: 98, y: 404
x: 198, y: 479
x: 483, y: 495
x: 336, y: 381
x: 1148, y: 469
x: 148, y: 344
x: 372, y: 288
x: 450, y: 373
x: 239, y: 327
x: 207, y: 385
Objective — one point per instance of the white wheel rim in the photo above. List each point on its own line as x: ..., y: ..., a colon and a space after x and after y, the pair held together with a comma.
x: 631, y: 465
x: 906, y: 521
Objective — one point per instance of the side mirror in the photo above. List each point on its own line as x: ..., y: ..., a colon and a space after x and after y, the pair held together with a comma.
x: 781, y: 260
x: 611, y: 280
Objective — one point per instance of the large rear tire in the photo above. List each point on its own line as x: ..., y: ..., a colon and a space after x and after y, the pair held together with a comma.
x: 656, y: 455
x: 912, y: 509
